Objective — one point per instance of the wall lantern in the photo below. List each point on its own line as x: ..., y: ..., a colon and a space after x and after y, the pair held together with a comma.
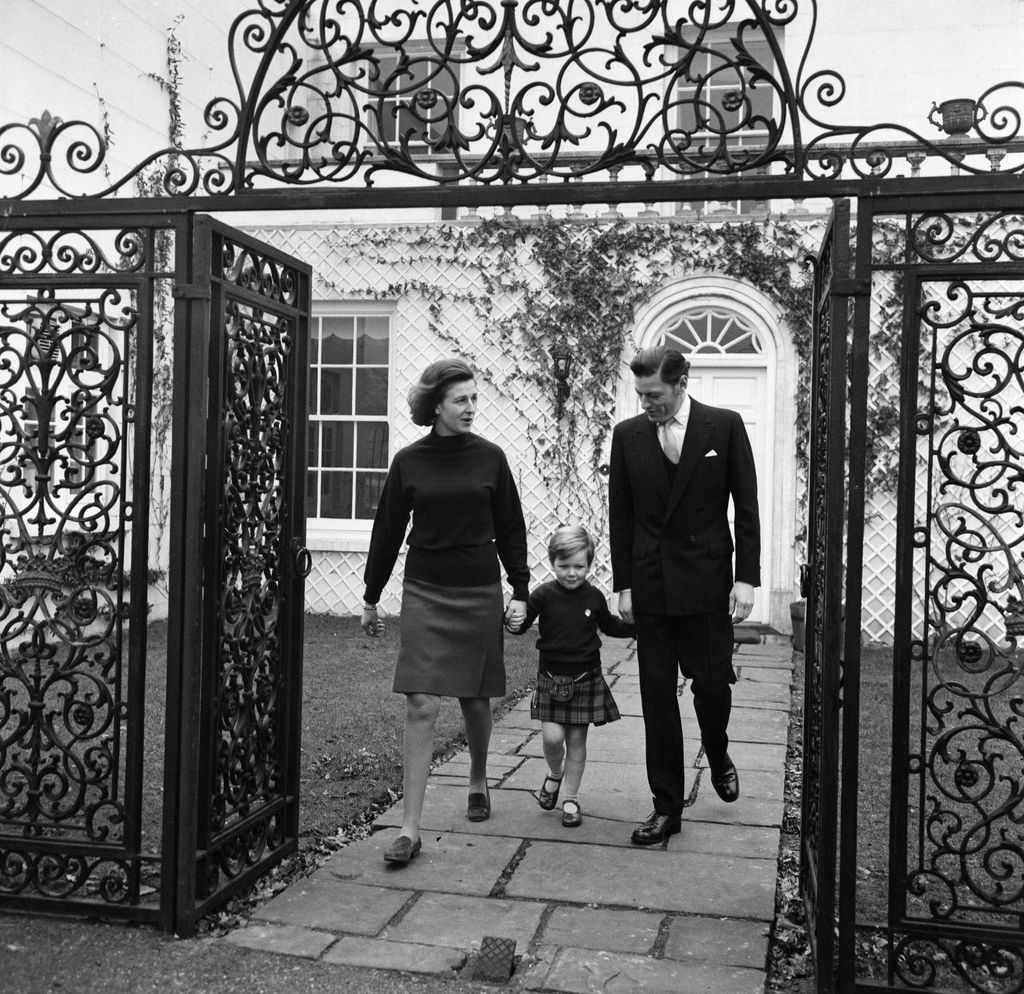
x: 561, y: 355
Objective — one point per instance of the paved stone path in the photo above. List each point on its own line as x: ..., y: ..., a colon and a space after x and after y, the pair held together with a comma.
x: 588, y: 910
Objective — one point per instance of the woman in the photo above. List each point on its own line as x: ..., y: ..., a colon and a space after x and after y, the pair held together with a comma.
x: 466, y: 515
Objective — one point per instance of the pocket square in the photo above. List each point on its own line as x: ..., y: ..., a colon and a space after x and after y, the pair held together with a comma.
x: 711, y: 452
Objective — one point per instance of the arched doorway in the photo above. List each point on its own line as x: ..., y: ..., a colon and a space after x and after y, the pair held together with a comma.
x: 742, y: 358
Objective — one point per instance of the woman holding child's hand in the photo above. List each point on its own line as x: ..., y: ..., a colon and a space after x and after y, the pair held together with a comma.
x: 467, y: 523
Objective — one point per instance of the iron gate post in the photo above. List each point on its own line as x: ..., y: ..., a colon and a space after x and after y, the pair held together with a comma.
x: 184, y: 621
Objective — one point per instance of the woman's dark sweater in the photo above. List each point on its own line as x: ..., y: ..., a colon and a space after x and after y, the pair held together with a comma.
x: 465, y: 512
x: 568, y: 626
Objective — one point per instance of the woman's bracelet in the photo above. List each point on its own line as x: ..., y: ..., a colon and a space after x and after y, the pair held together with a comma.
x: 369, y: 607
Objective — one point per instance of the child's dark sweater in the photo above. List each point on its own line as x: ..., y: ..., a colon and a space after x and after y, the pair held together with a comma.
x: 568, y: 626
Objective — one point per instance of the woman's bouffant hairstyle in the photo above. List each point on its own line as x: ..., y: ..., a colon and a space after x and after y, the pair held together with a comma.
x: 670, y: 364
x: 567, y: 540
x: 429, y: 390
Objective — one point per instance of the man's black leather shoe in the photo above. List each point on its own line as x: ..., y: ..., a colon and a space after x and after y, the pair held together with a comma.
x: 657, y: 828
x: 727, y: 781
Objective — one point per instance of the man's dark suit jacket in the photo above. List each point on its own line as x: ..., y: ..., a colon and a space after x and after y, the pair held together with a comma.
x: 673, y: 547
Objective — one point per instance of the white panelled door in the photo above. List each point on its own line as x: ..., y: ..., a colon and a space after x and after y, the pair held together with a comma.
x: 743, y: 389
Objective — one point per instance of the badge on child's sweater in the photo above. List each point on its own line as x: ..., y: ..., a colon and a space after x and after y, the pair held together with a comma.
x: 586, y: 613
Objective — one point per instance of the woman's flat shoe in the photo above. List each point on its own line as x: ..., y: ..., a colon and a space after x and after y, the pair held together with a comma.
x: 479, y: 806
x: 547, y: 799
x: 402, y: 850
x: 571, y: 816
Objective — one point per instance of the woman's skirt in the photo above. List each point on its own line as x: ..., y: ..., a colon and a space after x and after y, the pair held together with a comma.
x: 591, y: 702
x: 452, y: 641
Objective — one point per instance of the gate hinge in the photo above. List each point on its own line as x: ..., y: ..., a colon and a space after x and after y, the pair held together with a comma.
x: 192, y: 291
x: 850, y: 288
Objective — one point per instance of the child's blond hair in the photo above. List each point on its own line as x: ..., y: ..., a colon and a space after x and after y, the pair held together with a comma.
x: 566, y: 540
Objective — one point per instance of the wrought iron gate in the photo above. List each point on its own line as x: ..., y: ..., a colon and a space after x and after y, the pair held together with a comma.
x: 822, y: 582
x: 83, y: 309
x: 946, y: 910
x: 77, y: 304
x: 240, y: 708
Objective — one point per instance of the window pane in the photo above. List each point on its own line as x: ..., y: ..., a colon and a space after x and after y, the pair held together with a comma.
x: 371, y: 391
x: 313, y: 396
x: 313, y: 444
x: 687, y: 114
x: 372, y: 445
x: 368, y: 488
x: 337, y: 443
x: 336, y: 495
x: 335, y: 391
x: 337, y: 340
x: 372, y: 341
x: 311, y: 494
x: 760, y: 103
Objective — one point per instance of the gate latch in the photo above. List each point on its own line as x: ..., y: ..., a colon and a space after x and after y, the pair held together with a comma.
x: 303, y: 559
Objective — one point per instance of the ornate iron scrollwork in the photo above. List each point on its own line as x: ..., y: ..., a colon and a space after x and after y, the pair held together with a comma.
x: 335, y: 93
x: 966, y: 859
x: 67, y: 426
x: 248, y: 774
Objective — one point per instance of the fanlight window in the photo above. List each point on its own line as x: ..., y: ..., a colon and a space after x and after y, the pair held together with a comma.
x: 711, y: 330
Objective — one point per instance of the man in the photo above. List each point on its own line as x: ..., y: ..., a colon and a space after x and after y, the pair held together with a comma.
x: 673, y: 469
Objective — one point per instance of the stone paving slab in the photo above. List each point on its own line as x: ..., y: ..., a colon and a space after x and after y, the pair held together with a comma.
x: 747, y: 810
x: 509, y: 741
x: 672, y: 879
x: 518, y: 719
x: 749, y: 711
x: 611, y: 929
x: 766, y: 674
x: 289, y: 940
x: 717, y: 940
x: 628, y: 703
x: 760, y: 695
x: 448, y: 863
x: 615, y: 748
x: 754, y: 756
x: 754, y: 725
x: 376, y: 954
x: 766, y: 695
x: 578, y: 971
x: 767, y: 784
x: 601, y: 779
x: 777, y: 661
x: 497, y: 765
x: 321, y: 900
x: 462, y: 922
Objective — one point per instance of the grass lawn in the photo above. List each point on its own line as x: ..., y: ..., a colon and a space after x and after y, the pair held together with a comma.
x: 957, y: 827
x: 874, y: 784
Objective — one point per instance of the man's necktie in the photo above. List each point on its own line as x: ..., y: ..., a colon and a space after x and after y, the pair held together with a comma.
x: 671, y: 433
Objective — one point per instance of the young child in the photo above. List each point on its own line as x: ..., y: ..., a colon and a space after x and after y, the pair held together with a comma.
x: 571, y: 690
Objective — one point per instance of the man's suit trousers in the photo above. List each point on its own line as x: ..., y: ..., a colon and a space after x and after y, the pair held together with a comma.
x: 700, y: 647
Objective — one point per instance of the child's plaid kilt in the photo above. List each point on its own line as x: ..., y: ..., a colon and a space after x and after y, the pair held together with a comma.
x: 591, y: 704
